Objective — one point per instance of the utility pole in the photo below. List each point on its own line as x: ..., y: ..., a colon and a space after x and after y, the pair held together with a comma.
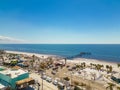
x: 42, y: 81
x: 71, y: 81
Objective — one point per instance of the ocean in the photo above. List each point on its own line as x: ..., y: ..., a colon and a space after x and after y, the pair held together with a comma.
x: 106, y: 52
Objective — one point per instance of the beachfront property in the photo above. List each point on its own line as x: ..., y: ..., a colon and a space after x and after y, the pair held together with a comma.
x: 57, y: 72
x: 13, y: 78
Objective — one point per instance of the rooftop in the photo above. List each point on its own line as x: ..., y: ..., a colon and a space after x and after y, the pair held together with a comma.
x: 13, y: 73
x: 1, y: 86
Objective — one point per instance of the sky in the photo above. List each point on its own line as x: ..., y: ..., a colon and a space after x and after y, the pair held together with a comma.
x: 60, y: 21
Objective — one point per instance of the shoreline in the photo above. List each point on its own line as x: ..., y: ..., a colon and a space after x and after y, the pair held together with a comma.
x: 79, y: 61
x: 74, y: 60
x: 30, y: 54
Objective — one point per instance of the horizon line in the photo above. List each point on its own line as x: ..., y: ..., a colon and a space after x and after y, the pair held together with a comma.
x: 61, y: 43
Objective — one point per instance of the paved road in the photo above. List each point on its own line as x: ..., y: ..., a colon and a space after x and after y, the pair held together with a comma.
x: 46, y: 85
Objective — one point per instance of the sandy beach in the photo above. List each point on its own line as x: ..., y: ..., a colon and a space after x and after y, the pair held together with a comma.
x: 30, y: 54
x: 74, y: 61
x: 88, y: 61
x: 100, y: 75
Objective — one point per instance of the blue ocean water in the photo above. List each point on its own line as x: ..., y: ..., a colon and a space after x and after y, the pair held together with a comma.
x: 107, y: 52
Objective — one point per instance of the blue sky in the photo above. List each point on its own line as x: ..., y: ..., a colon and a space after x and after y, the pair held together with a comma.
x: 60, y: 21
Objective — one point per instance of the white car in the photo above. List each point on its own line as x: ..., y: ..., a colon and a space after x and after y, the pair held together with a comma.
x: 44, y: 77
x: 49, y: 79
x: 61, y: 85
x: 68, y: 88
x: 55, y: 82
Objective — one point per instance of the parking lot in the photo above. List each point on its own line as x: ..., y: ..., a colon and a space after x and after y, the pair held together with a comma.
x: 46, y: 85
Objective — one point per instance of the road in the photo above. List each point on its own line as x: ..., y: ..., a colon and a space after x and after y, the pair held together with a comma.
x: 46, y: 85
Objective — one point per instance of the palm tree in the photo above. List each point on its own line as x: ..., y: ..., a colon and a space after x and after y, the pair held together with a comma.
x: 107, y: 67
x: 110, y: 69
x: 78, y: 67
x: 102, y: 66
x: 118, y: 66
x: 2, y: 52
x: 50, y: 61
x: 76, y: 83
x: 2, y: 58
x: 31, y: 63
x: 97, y: 67
x: 83, y: 64
x: 38, y: 86
x: 42, y: 67
x: 118, y: 88
x: 33, y: 56
x: 65, y: 61
x: 110, y: 86
x: 91, y: 65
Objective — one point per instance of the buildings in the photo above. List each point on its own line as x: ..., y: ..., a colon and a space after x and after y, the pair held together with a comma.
x: 11, y: 76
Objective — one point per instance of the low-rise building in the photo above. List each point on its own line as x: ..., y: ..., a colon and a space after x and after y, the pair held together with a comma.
x: 9, y: 77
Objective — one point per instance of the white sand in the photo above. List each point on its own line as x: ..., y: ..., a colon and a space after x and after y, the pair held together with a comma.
x: 78, y: 61
x: 94, y: 61
x: 75, y: 60
x: 29, y: 54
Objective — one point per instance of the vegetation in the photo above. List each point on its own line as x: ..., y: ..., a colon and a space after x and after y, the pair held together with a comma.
x: 33, y: 56
x: 83, y: 65
x: 118, y: 65
x: 65, y: 61
x: 13, y: 63
x: 110, y: 86
x: 109, y: 68
x: 42, y: 66
x: 118, y: 88
x: 66, y: 78
x: 2, y: 52
x: 76, y: 83
x: 50, y: 61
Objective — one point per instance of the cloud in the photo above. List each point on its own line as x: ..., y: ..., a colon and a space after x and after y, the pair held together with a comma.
x: 4, y: 39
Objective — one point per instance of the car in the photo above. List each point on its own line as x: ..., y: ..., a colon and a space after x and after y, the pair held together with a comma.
x: 55, y: 82
x: 50, y: 66
x: 49, y: 79
x: 44, y: 77
x: 67, y: 66
x: 53, y: 72
x: 68, y: 88
x: 69, y: 69
x: 61, y: 85
x: 54, y: 68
